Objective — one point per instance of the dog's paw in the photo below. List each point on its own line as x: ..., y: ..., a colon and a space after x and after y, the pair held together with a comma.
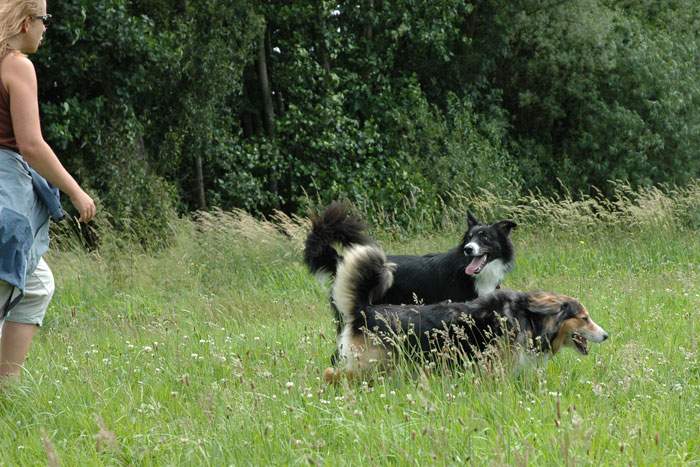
x: 331, y: 375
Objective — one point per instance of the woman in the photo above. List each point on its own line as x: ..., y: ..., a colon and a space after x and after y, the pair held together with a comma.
x: 26, y: 282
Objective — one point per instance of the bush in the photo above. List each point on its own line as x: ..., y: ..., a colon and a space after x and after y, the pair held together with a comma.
x: 137, y: 202
x: 596, y: 94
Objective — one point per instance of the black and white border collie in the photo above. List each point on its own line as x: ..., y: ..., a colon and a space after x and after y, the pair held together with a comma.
x: 476, y: 266
x: 372, y: 335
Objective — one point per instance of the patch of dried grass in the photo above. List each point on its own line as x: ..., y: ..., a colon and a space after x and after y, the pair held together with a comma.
x: 626, y: 208
x: 278, y: 227
x: 52, y: 459
x: 105, y: 439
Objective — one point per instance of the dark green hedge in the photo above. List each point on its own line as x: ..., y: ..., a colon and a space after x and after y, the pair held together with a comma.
x: 395, y: 106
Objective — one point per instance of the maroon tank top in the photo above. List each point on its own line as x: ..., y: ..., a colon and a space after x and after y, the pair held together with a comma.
x: 7, y: 134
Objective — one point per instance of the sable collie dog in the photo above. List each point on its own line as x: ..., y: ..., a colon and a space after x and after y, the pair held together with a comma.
x: 475, y: 267
x: 373, y: 334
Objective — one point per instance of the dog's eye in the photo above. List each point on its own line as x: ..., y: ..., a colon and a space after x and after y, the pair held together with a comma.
x: 585, y: 318
x: 484, y: 235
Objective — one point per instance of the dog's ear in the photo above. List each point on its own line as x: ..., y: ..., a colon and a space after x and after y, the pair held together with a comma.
x: 547, y: 304
x: 542, y: 307
x: 505, y: 226
x: 567, y: 310
x: 471, y: 220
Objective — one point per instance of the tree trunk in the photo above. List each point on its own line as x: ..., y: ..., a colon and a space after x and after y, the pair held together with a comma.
x: 199, y: 181
x: 323, y: 55
x: 247, y: 125
x: 368, y: 27
x: 278, y: 108
x: 268, y: 109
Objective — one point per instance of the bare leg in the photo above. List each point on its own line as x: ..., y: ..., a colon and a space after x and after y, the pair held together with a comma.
x: 14, y: 346
x: 16, y: 336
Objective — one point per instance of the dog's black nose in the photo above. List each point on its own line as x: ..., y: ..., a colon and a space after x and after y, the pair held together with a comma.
x: 605, y: 336
x: 469, y: 250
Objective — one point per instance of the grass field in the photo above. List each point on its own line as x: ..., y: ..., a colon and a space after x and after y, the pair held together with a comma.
x: 210, y: 352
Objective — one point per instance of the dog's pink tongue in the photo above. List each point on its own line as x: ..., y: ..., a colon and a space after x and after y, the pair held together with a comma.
x: 475, y: 266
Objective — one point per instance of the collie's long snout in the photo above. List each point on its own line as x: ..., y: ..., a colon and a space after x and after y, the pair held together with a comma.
x: 593, y: 332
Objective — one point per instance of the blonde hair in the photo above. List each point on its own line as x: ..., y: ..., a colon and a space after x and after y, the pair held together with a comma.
x: 12, y: 13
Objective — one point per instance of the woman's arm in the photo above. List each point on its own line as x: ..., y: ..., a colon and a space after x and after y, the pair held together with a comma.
x: 19, y: 77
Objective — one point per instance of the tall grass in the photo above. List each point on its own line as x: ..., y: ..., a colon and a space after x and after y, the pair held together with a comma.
x: 210, y: 351
x: 626, y: 208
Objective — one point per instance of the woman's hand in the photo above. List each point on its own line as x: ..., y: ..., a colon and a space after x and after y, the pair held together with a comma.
x: 85, y: 206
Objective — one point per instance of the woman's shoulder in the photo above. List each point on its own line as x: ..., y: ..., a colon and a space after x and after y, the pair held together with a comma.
x: 16, y: 59
x: 16, y: 65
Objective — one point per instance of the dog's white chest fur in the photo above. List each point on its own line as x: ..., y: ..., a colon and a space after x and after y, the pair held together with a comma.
x: 489, y: 278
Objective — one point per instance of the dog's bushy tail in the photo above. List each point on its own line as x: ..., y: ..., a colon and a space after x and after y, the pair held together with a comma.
x: 363, y: 276
x: 336, y: 224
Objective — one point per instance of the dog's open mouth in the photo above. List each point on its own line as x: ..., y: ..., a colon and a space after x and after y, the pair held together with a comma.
x: 580, y: 343
x: 477, y: 264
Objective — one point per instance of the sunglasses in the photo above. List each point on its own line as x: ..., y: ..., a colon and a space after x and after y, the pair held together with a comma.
x: 46, y: 19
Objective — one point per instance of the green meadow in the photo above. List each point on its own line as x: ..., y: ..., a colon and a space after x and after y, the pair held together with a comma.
x: 210, y: 351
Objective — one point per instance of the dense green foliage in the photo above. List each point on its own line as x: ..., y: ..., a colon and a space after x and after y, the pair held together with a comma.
x: 396, y: 106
